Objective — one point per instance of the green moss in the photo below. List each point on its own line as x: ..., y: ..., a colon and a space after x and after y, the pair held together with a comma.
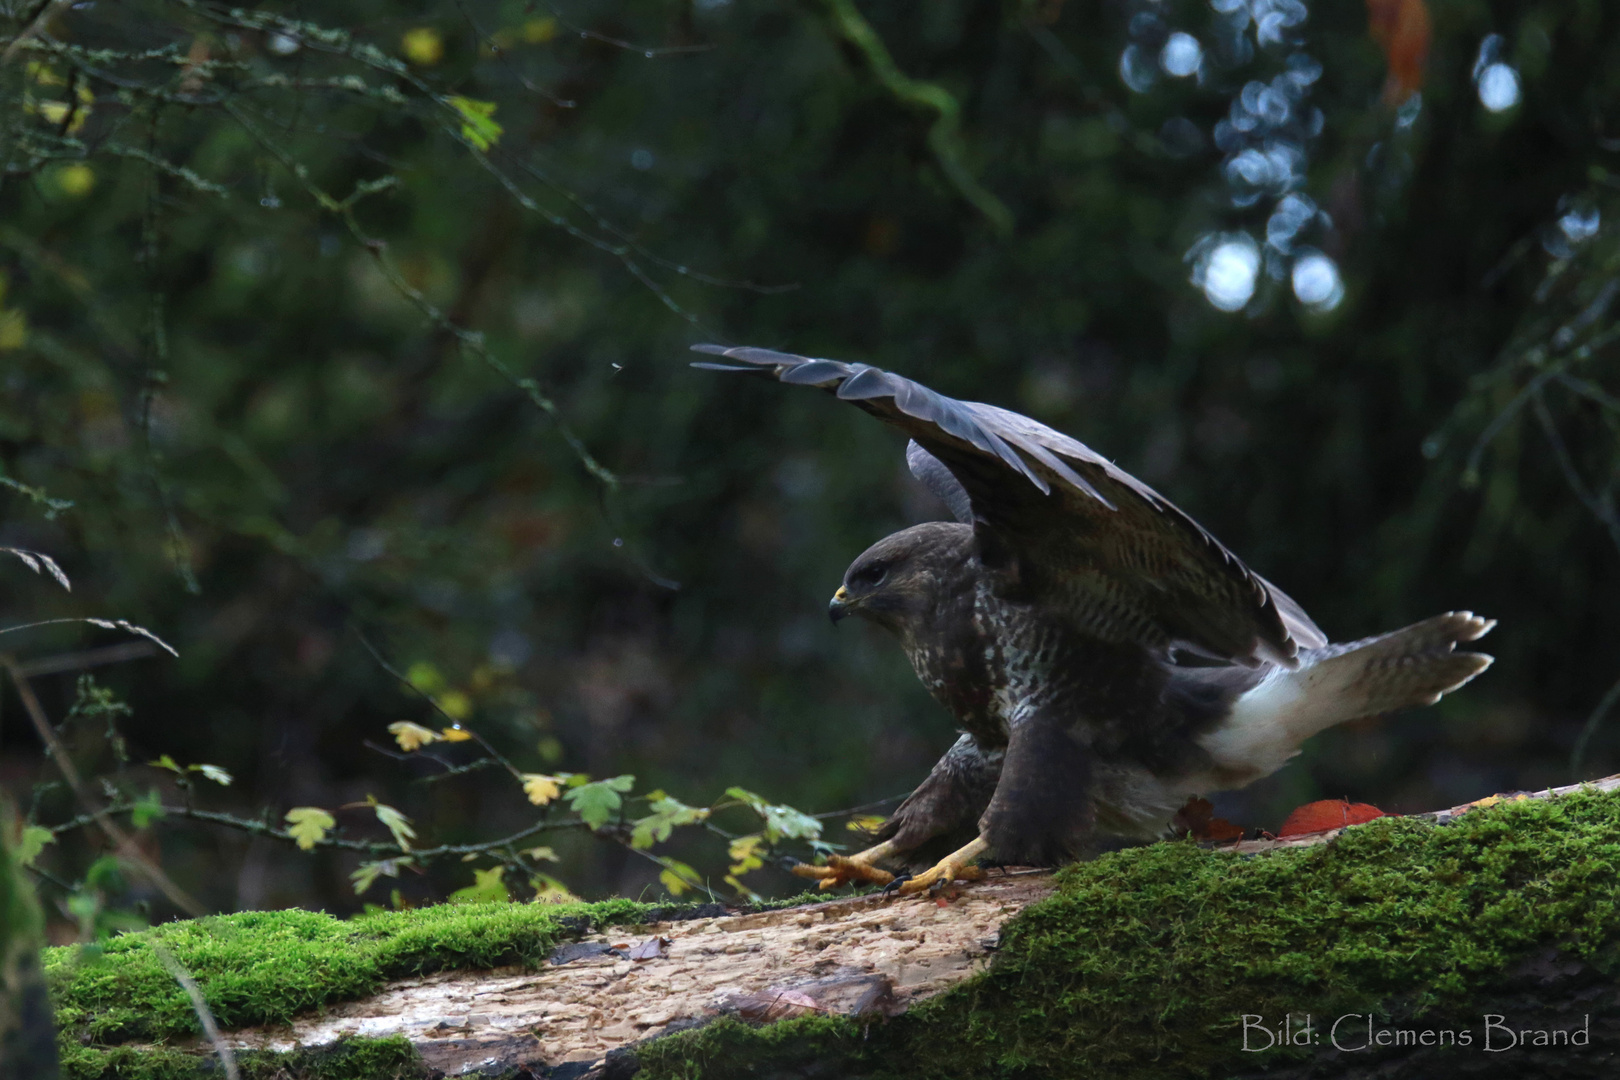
x: 348, y: 1059
x: 1144, y: 961
x: 265, y: 967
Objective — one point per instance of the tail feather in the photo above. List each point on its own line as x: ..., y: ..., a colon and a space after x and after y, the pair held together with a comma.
x: 1415, y: 665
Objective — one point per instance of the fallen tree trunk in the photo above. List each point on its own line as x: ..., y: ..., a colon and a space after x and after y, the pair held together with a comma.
x: 1482, y: 941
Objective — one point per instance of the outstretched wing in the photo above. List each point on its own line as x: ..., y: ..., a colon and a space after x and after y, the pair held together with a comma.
x: 1118, y: 555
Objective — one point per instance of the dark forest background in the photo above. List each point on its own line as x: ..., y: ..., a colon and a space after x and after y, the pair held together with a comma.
x: 363, y: 339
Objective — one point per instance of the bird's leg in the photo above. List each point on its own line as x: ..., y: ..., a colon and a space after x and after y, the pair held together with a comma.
x: 842, y: 869
x: 953, y: 867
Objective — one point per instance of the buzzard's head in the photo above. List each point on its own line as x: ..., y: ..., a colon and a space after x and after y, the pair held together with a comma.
x: 898, y: 580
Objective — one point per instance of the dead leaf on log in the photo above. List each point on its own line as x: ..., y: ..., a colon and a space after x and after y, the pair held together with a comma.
x: 651, y: 949
x: 1327, y: 814
x: 1197, y: 819
x: 583, y: 950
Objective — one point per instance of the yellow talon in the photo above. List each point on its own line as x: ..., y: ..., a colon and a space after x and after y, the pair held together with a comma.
x: 842, y: 869
x: 953, y: 867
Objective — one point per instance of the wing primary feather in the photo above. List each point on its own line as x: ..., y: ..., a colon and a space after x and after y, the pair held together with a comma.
x: 954, y: 420
x: 815, y: 372
x: 1053, y: 462
x: 870, y: 383
x: 708, y: 366
x: 749, y: 354
x: 916, y: 400
x: 1015, y: 459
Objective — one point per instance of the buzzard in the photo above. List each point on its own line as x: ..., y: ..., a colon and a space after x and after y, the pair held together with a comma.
x: 1105, y: 657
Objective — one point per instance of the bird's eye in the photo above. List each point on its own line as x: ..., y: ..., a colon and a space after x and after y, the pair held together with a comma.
x: 872, y: 575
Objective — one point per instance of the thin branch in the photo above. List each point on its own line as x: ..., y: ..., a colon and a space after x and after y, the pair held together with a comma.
x: 1600, y: 507
x: 86, y: 658
x: 205, y: 1016
x: 122, y: 841
x: 259, y: 827
x: 945, y: 135
x: 34, y: 29
x: 861, y: 809
x: 1593, y: 722
x: 1501, y: 421
x: 618, y: 43
x: 383, y: 663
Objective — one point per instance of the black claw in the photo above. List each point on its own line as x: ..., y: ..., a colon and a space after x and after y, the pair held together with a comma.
x: 896, y: 883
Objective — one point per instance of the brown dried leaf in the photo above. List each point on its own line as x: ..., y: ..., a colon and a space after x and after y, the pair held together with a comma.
x: 1197, y: 819
x: 651, y: 949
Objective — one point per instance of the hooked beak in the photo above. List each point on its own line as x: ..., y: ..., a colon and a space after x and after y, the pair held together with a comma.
x: 839, y: 606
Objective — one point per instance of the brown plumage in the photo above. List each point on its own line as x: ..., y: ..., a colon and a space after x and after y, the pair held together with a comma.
x: 1104, y: 655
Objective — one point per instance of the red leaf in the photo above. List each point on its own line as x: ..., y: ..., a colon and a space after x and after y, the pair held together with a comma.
x: 1327, y: 814
x: 1197, y: 819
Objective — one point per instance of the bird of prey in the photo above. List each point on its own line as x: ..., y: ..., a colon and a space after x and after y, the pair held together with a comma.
x: 1104, y: 656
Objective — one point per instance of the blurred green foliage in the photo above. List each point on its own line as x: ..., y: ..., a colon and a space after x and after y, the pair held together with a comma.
x: 372, y: 333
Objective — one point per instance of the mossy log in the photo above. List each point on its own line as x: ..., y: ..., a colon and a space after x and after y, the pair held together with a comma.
x: 1483, y: 941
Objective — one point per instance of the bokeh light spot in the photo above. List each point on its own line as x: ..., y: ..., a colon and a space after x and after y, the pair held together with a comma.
x: 1181, y: 55
x: 422, y: 46
x: 1499, y: 87
x: 1227, y: 271
x: 1137, y: 68
x: 76, y: 181
x: 1317, y: 282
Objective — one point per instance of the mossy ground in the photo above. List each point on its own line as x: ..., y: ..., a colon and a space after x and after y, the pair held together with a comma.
x: 1138, y: 967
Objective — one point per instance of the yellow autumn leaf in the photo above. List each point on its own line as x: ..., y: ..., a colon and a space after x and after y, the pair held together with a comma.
x: 455, y: 734
x: 746, y: 853
x: 396, y: 822
x: 308, y: 825
x: 541, y: 788
x: 412, y: 736
x: 868, y: 824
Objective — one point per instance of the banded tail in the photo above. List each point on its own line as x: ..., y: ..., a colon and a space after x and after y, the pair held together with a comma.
x: 1415, y: 665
